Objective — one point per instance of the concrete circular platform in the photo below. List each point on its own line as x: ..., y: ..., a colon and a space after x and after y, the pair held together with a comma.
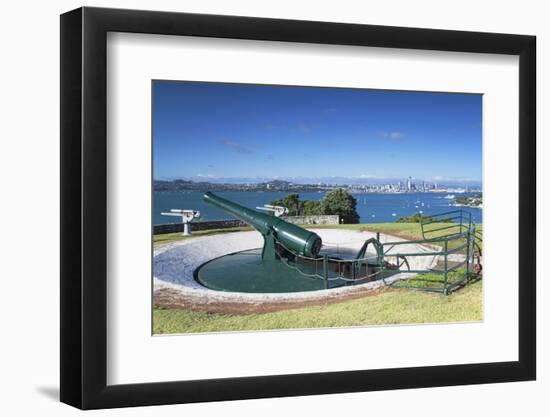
x: 175, y: 263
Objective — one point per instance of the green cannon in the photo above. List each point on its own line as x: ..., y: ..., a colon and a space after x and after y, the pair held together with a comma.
x: 272, y: 228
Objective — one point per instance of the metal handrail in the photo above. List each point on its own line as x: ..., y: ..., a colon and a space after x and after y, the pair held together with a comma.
x: 470, y: 236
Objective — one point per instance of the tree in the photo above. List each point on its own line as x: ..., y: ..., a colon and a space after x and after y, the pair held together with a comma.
x: 312, y: 208
x: 415, y: 218
x: 342, y: 203
x: 419, y: 218
x: 292, y: 203
x: 338, y: 202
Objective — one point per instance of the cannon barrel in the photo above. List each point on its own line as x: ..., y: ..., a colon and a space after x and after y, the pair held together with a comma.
x: 293, y: 237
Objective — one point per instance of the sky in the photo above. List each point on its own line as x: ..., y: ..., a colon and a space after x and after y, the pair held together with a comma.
x: 221, y: 131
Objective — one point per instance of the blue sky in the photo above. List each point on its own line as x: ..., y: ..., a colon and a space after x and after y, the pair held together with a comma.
x: 218, y: 131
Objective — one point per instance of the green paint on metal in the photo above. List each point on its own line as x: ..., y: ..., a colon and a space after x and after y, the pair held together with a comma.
x: 268, y: 252
x: 463, y: 229
x: 248, y: 272
x: 298, y: 239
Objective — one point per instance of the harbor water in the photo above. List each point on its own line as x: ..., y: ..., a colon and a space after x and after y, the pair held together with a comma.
x: 371, y: 207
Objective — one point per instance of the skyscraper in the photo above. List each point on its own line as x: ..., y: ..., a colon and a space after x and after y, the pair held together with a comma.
x: 409, y: 184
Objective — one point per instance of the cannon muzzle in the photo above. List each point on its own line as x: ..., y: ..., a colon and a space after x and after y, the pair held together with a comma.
x: 291, y: 236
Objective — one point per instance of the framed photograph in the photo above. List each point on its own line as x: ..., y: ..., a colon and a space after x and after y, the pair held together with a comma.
x: 257, y: 208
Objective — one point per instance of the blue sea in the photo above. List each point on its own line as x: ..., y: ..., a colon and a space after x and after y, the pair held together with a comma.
x: 372, y: 207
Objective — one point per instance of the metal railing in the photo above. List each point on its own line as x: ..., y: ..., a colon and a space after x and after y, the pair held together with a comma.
x: 457, y: 239
x: 450, y: 238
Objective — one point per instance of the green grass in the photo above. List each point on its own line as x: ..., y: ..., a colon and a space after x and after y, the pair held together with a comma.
x: 410, y: 231
x: 175, y: 237
x: 388, y: 307
x: 404, y: 230
x: 433, y: 281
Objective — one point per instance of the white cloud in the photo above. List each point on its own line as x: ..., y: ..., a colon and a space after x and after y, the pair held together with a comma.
x: 236, y: 146
x: 392, y: 135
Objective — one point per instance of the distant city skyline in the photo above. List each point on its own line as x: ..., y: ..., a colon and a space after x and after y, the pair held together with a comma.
x: 216, y: 131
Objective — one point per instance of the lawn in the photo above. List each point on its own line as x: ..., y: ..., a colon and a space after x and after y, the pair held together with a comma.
x: 404, y: 230
x: 410, y: 231
x: 390, y: 306
x: 159, y: 240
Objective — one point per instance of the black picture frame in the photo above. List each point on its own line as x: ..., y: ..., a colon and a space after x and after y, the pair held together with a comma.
x: 84, y: 207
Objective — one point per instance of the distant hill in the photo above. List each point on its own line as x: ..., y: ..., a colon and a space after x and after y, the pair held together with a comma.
x: 275, y: 185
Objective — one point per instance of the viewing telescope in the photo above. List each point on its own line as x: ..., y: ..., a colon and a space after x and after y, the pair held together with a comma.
x: 272, y: 228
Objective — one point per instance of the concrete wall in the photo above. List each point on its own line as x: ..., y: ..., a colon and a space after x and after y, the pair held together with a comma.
x: 225, y: 224
x: 320, y: 219
x: 160, y: 229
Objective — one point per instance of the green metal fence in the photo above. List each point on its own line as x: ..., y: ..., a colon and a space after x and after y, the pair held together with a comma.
x: 456, y: 250
x: 450, y: 239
